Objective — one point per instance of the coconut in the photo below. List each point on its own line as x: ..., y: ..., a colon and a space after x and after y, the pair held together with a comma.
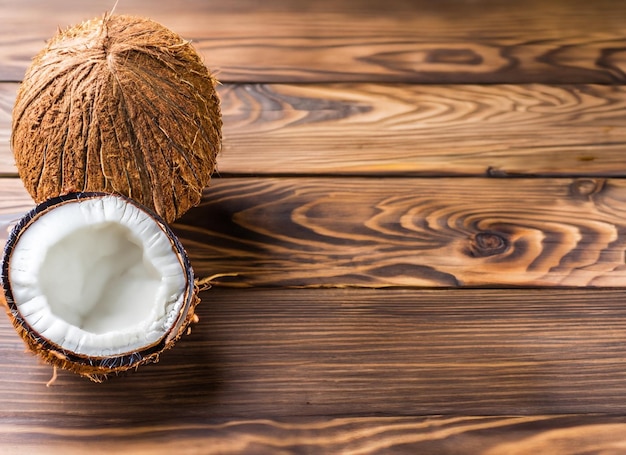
x: 97, y: 283
x: 118, y: 104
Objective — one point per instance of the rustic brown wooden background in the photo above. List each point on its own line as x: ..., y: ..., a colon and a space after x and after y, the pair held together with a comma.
x: 420, y: 218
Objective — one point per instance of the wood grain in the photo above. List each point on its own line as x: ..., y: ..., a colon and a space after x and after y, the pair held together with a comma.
x: 363, y: 147
x: 410, y: 130
x: 410, y: 232
x: 484, y: 41
x: 514, y: 435
x: 424, y: 130
x: 258, y: 356
x: 370, y: 232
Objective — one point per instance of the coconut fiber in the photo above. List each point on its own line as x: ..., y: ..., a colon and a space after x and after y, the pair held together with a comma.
x: 118, y: 104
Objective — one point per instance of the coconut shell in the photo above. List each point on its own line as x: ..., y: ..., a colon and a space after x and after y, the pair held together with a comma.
x: 96, y: 368
x: 118, y: 104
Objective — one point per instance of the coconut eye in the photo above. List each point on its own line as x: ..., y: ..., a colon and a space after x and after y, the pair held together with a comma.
x: 97, y: 283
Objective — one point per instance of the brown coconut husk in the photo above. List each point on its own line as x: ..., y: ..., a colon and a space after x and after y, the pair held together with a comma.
x: 118, y: 104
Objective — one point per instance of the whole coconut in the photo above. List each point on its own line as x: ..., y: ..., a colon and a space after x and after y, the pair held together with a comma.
x: 118, y: 104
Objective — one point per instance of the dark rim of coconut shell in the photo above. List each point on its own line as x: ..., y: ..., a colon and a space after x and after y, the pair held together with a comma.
x: 112, y: 363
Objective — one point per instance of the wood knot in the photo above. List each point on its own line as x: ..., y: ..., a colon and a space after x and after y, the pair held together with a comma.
x: 454, y: 57
x: 483, y: 244
x: 586, y: 187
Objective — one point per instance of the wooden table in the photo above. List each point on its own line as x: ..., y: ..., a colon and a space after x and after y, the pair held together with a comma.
x: 419, y: 227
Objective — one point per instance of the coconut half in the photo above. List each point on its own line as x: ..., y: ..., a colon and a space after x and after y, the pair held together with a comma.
x: 96, y: 283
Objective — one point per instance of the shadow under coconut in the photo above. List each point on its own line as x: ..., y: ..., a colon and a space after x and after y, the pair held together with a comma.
x: 184, y: 385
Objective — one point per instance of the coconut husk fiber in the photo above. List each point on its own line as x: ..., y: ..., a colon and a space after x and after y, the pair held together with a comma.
x: 118, y: 104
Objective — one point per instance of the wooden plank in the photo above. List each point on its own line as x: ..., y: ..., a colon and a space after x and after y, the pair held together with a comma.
x: 376, y: 129
x: 418, y: 130
x: 541, y: 435
x: 370, y: 232
x: 484, y: 41
x: 411, y: 232
x: 289, y: 354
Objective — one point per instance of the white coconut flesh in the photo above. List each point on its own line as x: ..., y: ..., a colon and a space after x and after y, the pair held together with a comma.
x: 98, y: 277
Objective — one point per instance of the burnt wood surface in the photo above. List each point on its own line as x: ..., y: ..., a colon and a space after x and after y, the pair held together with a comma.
x: 410, y: 130
x: 395, y: 232
x: 416, y: 238
x: 348, y: 371
x: 449, y: 41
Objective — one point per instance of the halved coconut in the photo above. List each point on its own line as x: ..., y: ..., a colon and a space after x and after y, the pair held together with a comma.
x: 96, y: 283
